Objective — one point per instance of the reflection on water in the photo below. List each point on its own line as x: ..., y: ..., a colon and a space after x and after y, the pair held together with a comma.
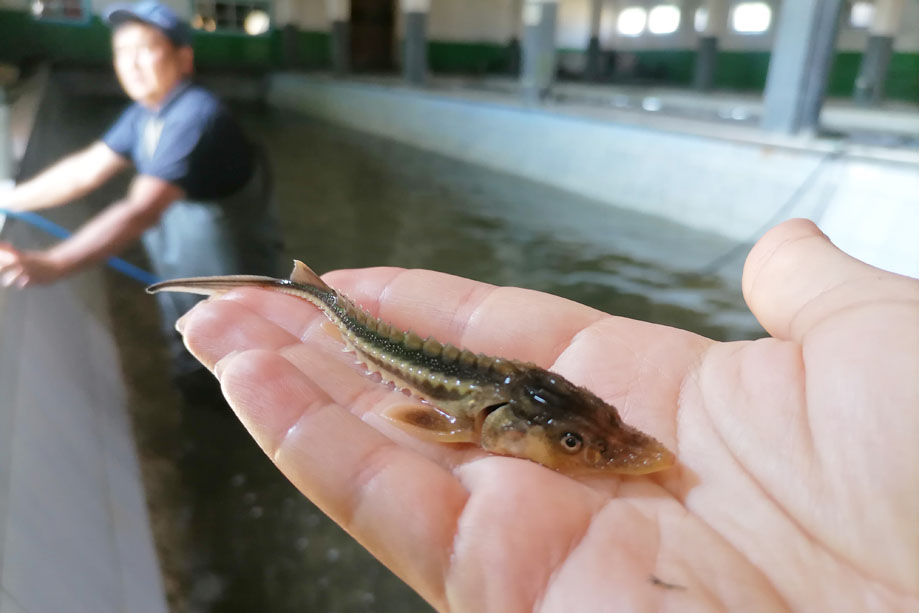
x: 233, y: 534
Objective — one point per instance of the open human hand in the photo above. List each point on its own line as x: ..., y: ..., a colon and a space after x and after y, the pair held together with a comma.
x: 797, y: 482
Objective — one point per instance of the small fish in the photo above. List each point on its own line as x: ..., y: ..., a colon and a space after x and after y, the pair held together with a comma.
x: 505, y: 406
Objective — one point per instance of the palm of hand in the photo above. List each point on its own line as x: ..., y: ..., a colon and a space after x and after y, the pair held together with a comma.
x: 797, y: 475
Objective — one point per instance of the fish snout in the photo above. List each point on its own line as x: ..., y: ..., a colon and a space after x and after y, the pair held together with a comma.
x: 638, y: 457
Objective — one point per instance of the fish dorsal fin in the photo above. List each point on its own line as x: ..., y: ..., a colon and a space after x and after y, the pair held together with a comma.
x: 304, y: 275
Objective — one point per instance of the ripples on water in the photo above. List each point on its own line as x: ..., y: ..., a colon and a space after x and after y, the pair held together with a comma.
x: 363, y: 201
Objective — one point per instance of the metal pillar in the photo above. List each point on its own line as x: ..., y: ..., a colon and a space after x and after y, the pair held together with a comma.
x: 594, y: 66
x: 869, y: 86
x: 415, y: 45
x: 513, y: 57
x: 7, y: 164
x: 341, y: 47
x: 513, y: 44
x: 707, y: 54
x: 803, y: 52
x: 339, y: 13
x: 290, y: 36
x: 706, y: 59
x: 538, y: 72
x: 415, y: 61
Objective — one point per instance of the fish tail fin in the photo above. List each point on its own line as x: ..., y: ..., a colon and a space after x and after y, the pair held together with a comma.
x: 304, y: 275
x: 209, y: 286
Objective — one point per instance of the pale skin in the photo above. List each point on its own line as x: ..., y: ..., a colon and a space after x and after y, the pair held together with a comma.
x: 148, y: 67
x: 797, y: 484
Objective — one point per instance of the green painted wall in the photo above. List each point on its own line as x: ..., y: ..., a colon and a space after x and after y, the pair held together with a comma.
x: 667, y: 66
x: 742, y: 71
x: 22, y: 37
x: 88, y: 43
x: 903, y: 77
x: 474, y: 58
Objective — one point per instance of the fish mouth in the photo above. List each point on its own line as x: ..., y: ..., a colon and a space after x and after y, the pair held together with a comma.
x: 648, y: 458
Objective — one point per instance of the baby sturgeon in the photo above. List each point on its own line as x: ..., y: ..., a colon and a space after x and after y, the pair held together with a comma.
x: 505, y: 406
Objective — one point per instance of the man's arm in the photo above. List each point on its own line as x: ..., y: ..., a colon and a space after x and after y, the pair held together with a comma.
x: 68, y: 179
x: 105, y: 234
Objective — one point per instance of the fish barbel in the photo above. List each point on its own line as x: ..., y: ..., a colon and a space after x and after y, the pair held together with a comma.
x: 505, y: 406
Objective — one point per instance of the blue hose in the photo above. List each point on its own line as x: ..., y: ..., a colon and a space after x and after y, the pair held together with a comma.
x: 125, y: 268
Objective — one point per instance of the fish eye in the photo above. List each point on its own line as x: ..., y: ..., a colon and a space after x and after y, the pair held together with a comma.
x: 571, y: 442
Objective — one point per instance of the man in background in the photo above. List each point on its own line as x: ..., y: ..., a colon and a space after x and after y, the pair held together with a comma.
x: 201, y: 198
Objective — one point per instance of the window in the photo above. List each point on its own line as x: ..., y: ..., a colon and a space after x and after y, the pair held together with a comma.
x: 861, y: 15
x: 751, y: 17
x: 664, y: 19
x: 631, y: 21
x: 700, y: 19
x: 244, y: 16
x: 59, y: 10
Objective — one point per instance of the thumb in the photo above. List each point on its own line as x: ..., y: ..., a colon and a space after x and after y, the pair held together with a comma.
x: 795, y: 278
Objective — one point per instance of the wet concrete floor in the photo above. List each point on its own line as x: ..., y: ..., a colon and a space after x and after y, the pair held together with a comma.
x: 233, y: 535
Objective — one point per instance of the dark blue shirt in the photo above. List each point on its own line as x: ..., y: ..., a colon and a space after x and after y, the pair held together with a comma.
x: 192, y: 141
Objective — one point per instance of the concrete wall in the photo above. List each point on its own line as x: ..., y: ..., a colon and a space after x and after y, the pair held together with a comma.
x: 74, y: 530
x: 732, y: 186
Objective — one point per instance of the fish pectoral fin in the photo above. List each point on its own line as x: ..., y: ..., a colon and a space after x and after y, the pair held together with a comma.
x: 430, y: 423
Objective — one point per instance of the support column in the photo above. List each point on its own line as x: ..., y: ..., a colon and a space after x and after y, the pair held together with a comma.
x: 802, y: 54
x: 339, y: 12
x: 869, y: 86
x: 594, y: 52
x: 707, y: 50
x: 513, y: 44
x: 538, y: 72
x: 7, y: 165
x: 290, y: 45
x: 415, y: 54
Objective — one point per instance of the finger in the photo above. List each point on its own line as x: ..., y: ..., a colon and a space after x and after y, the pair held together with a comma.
x: 398, y: 504
x: 215, y: 328
x: 8, y: 256
x: 11, y: 275
x: 795, y: 278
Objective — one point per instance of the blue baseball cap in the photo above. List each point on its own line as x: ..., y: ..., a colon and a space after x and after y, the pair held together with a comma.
x: 151, y: 13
